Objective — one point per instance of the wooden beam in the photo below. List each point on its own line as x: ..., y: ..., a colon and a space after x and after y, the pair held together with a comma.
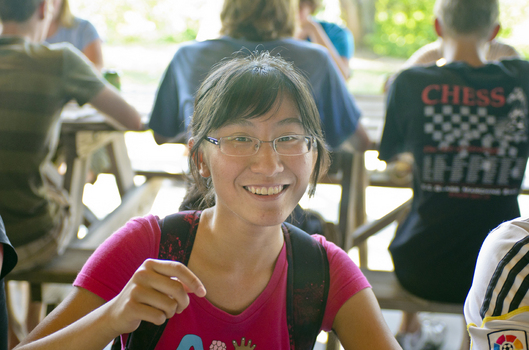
x: 361, y: 234
x: 136, y: 202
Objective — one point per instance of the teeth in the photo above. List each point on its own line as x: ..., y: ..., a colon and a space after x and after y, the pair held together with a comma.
x: 265, y: 191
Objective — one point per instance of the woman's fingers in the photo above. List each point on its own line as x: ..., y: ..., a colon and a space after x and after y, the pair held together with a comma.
x: 181, y: 273
x: 165, y: 284
x: 156, y: 291
x: 151, y: 297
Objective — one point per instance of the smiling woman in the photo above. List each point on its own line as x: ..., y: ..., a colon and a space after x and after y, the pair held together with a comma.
x: 251, y: 96
x: 238, y: 250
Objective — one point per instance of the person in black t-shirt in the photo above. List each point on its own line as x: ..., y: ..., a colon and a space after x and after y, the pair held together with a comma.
x: 466, y: 124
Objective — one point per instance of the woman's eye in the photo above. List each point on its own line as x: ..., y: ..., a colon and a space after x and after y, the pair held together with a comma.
x: 288, y: 138
x: 241, y: 139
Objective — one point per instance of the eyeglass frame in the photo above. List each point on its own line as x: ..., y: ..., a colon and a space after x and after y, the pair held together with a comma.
x: 309, y: 139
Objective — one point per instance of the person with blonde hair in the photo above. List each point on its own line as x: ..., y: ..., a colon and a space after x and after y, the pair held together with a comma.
x: 248, y: 26
x: 79, y: 32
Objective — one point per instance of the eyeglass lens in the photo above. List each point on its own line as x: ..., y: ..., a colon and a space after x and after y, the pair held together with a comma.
x: 284, y: 145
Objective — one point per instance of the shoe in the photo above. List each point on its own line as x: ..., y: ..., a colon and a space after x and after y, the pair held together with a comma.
x: 431, y: 336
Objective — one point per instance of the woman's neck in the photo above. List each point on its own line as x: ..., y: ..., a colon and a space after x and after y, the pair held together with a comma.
x: 239, y: 245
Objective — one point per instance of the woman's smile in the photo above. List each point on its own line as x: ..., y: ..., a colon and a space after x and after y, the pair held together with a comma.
x: 265, y: 190
x: 264, y: 187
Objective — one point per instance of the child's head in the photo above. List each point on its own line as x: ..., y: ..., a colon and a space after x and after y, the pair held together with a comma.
x: 467, y: 17
x: 18, y: 10
x: 245, y: 88
x: 312, y: 4
x: 259, y: 20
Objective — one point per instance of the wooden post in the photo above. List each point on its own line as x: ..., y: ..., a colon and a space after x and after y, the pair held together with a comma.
x: 359, y: 185
x: 359, y: 15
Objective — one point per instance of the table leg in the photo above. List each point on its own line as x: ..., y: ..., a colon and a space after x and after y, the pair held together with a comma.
x: 120, y: 164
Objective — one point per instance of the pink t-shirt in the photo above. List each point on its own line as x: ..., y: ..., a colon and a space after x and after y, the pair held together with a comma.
x: 202, y: 325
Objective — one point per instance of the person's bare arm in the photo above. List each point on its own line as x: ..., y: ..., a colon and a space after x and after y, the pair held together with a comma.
x: 317, y: 35
x: 157, y: 291
x: 360, y: 325
x: 359, y: 141
x: 94, y: 53
x: 74, y: 335
x: 113, y: 105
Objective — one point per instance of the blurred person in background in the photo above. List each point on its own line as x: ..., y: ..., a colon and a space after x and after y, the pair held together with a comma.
x: 337, y: 39
x: 248, y: 26
x: 79, y: 32
x: 36, y: 81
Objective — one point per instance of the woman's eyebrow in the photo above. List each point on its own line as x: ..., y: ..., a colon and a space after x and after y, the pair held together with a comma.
x: 249, y: 123
x: 241, y: 122
x: 291, y: 120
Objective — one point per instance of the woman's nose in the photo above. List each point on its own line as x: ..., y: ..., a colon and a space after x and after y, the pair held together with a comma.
x: 266, y: 161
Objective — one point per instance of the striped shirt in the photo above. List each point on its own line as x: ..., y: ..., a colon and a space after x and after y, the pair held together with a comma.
x: 35, y: 83
x: 497, y: 306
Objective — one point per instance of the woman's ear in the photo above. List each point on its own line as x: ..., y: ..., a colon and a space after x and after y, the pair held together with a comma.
x: 202, y: 167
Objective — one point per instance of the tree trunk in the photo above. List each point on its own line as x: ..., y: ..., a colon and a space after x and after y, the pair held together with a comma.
x: 359, y: 15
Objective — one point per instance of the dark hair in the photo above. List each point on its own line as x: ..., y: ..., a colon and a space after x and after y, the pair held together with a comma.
x: 259, y: 20
x: 246, y: 88
x: 467, y: 17
x: 18, y: 10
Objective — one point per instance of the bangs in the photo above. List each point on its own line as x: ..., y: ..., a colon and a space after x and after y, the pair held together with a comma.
x: 252, y: 94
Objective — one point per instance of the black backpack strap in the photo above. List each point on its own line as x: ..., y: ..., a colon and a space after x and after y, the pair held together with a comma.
x: 308, y: 283
x: 176, y: 242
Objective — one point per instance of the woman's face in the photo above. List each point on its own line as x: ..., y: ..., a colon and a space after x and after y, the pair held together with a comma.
x: 261, y: 189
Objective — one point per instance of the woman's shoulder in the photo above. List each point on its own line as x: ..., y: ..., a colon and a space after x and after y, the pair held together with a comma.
x: 139, y: 230
x: 334, y: 252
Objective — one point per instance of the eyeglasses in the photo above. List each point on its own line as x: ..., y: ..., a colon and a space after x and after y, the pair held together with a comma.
x: 241, y: 146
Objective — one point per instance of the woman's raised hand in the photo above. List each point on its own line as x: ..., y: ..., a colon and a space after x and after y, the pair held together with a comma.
x: 156, y: 291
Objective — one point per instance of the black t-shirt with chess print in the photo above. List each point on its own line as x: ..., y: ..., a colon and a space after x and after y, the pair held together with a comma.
x: 467, y: 128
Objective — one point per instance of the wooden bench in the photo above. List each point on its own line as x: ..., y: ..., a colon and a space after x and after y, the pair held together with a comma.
x: 392, y: 296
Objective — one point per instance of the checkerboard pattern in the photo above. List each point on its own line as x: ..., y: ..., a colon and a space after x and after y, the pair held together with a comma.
x: 463, y: 126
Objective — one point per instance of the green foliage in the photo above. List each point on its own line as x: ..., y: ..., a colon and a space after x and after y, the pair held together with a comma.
x: 401, y: 27
x: 142, y: 21
x: 514, y: 21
